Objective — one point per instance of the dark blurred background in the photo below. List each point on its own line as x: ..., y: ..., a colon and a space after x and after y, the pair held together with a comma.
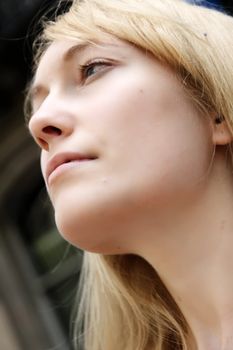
x: 39, y: 272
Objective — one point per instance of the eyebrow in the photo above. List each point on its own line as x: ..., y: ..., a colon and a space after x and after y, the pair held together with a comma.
x: 78, y: 48
x: 35, y: 88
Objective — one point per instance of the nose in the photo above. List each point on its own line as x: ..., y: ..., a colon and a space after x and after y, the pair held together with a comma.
x: 50, y: 124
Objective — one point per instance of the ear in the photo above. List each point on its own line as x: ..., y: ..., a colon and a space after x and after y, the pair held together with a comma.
x: 221, y: 132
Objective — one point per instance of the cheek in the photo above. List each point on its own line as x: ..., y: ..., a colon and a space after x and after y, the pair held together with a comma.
x: 158, y: 150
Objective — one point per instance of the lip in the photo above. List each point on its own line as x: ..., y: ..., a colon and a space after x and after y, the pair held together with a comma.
x: 66, y: 157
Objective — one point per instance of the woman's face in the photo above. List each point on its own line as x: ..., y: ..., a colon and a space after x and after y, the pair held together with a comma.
x: 146, y: 148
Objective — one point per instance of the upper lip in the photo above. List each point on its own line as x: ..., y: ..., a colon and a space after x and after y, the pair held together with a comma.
x: 65, y: 157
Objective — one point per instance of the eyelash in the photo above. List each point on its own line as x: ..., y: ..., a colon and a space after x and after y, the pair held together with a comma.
x: 84, y: 68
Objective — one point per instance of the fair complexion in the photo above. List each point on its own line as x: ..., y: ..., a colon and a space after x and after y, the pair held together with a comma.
x: 157, y: 184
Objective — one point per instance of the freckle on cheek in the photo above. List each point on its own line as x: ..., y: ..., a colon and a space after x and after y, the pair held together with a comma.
x: 104, y: 180
x: 136, y: 97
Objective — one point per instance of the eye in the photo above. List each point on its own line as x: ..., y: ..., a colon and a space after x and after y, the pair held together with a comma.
x: 90, y: 69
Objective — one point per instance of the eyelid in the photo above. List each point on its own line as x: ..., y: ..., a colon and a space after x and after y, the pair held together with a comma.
x: 97, y: 59
x: 92, y: 62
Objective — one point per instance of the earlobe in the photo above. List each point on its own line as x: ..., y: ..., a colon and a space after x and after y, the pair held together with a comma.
x: 221, y: 132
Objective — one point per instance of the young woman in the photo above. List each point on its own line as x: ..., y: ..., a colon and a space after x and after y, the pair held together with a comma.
x: 132, y: 107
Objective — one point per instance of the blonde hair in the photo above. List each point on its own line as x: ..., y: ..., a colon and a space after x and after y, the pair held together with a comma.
x: 123, y: 304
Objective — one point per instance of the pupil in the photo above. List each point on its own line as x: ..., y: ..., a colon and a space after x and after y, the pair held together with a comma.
x: 90, y: 71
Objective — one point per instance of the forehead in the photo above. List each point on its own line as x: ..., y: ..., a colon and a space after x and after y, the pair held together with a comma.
x: 57, y: 52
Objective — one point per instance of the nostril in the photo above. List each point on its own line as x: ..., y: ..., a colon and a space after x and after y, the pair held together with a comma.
x: 43, y: 143
x: 52, y: 130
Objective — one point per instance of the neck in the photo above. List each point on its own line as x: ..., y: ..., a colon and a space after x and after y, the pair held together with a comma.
x: 195, y: 261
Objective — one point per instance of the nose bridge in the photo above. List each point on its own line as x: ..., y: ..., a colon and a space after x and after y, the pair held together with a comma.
x: 53, y: 119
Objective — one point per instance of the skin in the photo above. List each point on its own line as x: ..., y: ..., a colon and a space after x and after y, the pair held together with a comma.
x: 160, y: 186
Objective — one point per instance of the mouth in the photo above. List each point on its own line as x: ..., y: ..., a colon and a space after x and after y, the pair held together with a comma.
x: 65, y: 161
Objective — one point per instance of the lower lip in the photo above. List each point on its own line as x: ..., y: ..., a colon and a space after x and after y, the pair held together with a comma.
x: 64, y: 167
